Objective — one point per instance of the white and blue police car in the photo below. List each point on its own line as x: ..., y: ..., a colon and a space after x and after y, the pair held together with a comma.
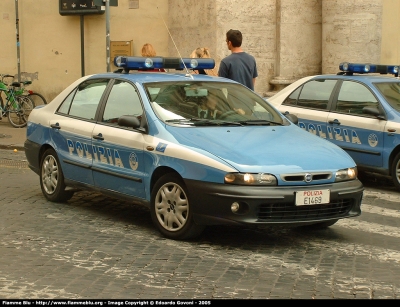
x: 196, y: 150
x: 357, y: 109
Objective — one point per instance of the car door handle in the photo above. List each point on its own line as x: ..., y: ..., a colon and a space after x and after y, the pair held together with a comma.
x: 55, y: 126
x: 335, y: 121
x: 98, y: 137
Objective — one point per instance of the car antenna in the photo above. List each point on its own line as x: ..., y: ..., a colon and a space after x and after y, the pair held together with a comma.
x: 187, y: 71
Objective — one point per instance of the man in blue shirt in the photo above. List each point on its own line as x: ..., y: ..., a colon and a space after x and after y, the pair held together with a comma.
x: 239, y: 65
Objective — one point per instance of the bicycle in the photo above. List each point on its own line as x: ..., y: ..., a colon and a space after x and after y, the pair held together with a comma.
x: 17, y: 107
x: 37, y: 98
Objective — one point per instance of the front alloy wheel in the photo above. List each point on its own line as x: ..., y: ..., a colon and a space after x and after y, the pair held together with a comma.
x: 170, y: 209
x: 395, y: 171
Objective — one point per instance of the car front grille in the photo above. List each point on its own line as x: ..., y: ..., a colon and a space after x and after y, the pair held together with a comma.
x: 302, y: 176
x: 290, y: 212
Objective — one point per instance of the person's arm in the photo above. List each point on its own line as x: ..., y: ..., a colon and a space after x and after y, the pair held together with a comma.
x: 255, y: 74
x: 222, y: 71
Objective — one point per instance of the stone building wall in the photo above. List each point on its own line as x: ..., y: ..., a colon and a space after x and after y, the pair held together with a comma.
x: 298, y: 51
x: 288, y: 38
x: 204, y: 24
x: 351, y: 31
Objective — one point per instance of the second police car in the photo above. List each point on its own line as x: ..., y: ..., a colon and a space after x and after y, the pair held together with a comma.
x: 196, y: 150
x: 357, y: 109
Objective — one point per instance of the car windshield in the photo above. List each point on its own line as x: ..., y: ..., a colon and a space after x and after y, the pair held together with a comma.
x: 391, y: 91
x: 209, y: 103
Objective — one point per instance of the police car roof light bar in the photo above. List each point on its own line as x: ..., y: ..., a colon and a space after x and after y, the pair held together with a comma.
x: 135, y: 63
x: 365, y: 68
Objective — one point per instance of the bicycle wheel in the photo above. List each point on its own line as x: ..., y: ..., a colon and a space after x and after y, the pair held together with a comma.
x: 37, y: 99
x: 27, y: 104
x: 19, y: 111
x: 2, y: 107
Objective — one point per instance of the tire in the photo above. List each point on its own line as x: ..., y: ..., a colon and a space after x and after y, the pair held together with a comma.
x: 2, y: 112
x: 52, y: 178
x: 395, y: 171
x: 27, y: 104
x: 38, y: 99
x: 16, y: 112
x: 170, y: 209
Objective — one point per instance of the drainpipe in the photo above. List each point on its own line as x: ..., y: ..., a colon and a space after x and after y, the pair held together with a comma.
x: 108, y: 34
x: 17, y: 32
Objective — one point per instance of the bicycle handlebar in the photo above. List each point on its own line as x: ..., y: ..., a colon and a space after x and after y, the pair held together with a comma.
x: 5, y: 76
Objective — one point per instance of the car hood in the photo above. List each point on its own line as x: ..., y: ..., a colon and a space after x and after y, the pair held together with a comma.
x: 275, y: 148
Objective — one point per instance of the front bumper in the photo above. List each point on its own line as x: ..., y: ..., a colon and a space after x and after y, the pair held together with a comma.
x: 211, y: 204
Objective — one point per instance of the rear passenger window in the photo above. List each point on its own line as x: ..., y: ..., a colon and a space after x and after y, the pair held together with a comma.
x: 83, y: 102
x: 315, y: 94
x: 353, y: 97
x: 292, y: 99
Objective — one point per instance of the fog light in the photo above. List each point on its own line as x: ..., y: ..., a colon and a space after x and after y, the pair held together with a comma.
x: 235, y: 207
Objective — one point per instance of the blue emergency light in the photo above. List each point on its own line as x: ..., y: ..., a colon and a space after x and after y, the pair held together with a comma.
x: 365, y: 68
x: 135, y: 63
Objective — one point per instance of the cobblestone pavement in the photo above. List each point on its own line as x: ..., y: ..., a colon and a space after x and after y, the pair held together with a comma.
x: 100, y: 248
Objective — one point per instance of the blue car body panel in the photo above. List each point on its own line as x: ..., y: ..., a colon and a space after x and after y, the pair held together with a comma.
x: 126, y: 162
x: 372, y: 142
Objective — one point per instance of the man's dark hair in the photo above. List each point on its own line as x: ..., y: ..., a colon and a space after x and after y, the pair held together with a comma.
x: 235, y: 37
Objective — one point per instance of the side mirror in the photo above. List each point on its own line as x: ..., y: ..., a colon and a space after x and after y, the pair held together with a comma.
x: 373, y: 111
x: 293, y: 118
x: 129, y: 121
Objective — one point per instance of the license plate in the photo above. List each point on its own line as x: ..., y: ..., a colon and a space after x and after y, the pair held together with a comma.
x: 312, y: 197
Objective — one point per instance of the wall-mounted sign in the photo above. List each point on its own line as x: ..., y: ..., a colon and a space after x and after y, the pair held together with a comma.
x: 79, y: 7
x: 120, y: 48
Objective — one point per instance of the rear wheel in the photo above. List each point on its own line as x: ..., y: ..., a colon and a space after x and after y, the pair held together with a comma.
x: 27, y: 104
x: 17, y: 115
x: 38, y: 99
x: 2, y: 106
x: 52, y: 178
x: 170, y: 209
x: 395, y: 171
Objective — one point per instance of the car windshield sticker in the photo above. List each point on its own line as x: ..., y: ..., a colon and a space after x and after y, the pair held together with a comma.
x: 161, y: 147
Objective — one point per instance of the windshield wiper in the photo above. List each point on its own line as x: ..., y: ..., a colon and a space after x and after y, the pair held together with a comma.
x: 259, y: 122
x: 203, y: 122
x: 181, y: 120
x: 215, y: 122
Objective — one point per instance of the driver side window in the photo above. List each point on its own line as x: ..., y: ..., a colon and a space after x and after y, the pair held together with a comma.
x: 123, y: 100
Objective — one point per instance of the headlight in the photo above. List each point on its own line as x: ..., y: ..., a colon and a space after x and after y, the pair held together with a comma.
x: 250, y: 179
x: 346, y: 174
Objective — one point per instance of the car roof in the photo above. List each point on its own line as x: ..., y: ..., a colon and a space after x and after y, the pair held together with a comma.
x: 367, y: 78
x: 145, y: 77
